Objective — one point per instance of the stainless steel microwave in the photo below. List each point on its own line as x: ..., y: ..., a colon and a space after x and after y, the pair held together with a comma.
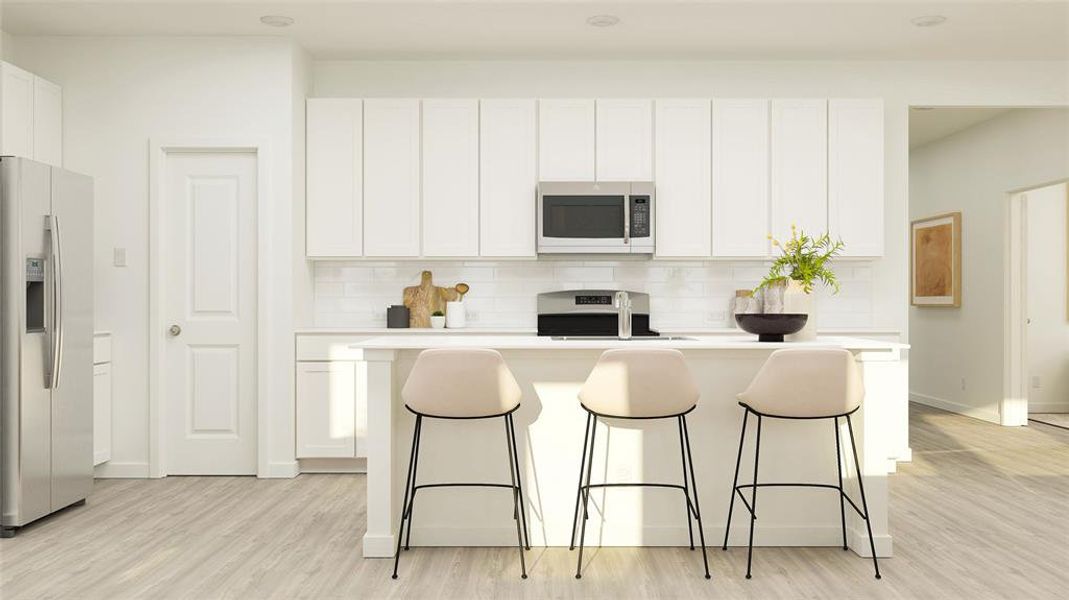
x: 592, y: 218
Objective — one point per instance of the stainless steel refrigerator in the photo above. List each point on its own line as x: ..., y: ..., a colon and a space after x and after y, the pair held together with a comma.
x: 46, y: 340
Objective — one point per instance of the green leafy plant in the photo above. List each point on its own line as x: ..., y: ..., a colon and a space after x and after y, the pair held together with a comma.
x: 437, y: 313
x: 805, y: 259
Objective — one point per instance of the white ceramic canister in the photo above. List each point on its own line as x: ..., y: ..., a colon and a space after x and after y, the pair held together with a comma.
x: 456, y: 316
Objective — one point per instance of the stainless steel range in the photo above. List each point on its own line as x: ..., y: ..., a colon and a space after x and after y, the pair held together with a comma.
x: 595, y: 313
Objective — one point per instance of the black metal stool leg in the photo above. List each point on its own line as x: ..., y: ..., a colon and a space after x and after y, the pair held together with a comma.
x: 579, y: 485
x: 839, y: 470
x: 408, y: 487
x: 753, y: 498
x: 697, y: 506
x: 735, y: 484
x: 864, y: 503
x: 586, y: 500
x: 519, y: 481
x: 412, y: 500
x: 515, y: 496
x: 686, y: 488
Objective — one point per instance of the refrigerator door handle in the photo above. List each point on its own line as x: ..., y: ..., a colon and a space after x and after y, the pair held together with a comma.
x: 57, y: 302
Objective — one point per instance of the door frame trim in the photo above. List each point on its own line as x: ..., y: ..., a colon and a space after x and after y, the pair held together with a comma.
x: 1013, y: 406
x: 159, y: 149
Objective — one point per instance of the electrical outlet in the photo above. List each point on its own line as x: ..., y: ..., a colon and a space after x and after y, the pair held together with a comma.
x: 118, y: 257
x: 1036, y: 382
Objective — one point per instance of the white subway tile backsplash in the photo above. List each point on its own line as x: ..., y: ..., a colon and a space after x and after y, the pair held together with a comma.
x: 684, y: 294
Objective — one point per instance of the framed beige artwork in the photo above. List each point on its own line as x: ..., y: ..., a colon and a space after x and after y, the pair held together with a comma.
x: 935, y: 261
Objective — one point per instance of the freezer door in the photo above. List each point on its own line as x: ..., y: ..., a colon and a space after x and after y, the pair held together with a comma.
x: 72, y: 394
x: 25, y: 399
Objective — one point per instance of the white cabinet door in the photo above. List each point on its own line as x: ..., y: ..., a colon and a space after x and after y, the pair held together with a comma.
x: 101, y: 413
x: 450, y: 178
x: 855, y: 175
x: 16, y: 111
x: 566, y: 140
x: 740, y: 177
x: 682, y: 167
x: 326, y: 401
x: 508, y: 177
x: 334, y: 163
x: 391, y: 177
x: 624, y: 140
x: 799, y: 166
x: 47, y: 122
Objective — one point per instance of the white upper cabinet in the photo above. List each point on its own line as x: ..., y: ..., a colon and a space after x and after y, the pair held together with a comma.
x: 624, y: 140
x: 566, y: 140
x: 391, y: 177
x: 855, y: 175
x: 682, y: 170
x: 740, y: 178
x: 17, y: 111
x: 799, y: 166
x: 450, y: 177
x: 334, y: 219
x: 47, y: 122
x: 31, y: 116
x: 508, y: 177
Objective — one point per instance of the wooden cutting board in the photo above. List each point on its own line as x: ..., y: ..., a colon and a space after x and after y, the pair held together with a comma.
x: 424, y: 299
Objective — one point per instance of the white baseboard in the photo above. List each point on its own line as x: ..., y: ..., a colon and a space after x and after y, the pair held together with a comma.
x: 1048, y: 407
x: 280, y: 470
x: 983, y: 414
x: 382, y: 546
x: 332, y: 465
x: 818, y: 536
x: 121, y: 470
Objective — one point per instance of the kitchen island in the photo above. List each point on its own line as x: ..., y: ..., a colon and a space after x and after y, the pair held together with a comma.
x: 550, y: 424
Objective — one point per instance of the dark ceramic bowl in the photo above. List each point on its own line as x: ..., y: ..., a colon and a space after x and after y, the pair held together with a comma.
x: 771, y: 327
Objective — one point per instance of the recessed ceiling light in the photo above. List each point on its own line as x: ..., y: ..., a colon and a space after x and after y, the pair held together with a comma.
x: 276, y: 20
x: 928, y: 20
x: 603, y: 20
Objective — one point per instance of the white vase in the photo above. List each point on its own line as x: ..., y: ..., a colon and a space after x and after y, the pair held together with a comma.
x: 772, y: 297
x: 456, y: 317
x: 796, y: 301
x: 437, y: 322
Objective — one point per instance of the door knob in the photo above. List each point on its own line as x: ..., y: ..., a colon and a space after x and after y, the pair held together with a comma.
x: 174, y: 330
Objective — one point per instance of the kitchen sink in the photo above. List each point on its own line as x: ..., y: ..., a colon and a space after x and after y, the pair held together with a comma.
x: 644, y: 338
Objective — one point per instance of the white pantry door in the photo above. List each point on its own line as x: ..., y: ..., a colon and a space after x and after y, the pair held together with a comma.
x: 209, y: 257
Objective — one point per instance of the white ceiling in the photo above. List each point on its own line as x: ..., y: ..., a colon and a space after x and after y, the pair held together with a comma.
x: 492, y: 29
x: 931, y: 124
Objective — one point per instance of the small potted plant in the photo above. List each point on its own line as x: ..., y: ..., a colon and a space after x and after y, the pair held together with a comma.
x: 788, y: 287
x: 437, y: 320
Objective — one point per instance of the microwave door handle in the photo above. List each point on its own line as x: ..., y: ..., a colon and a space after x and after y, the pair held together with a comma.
x: 57, y: 302
x: 627, y: 219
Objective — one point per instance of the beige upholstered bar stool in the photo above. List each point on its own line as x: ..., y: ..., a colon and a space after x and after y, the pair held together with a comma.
x: 802, y: 383
x: 652, y: 383
x: 462, y: 383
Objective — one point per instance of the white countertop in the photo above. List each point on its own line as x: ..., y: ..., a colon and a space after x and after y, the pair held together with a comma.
x: 534, y: 342
x: 716, y: 331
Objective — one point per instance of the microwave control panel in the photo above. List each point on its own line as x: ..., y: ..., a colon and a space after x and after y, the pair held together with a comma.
x: 640, y: 216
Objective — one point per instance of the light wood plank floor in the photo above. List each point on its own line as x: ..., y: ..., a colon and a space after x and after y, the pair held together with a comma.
x: 982, y: 512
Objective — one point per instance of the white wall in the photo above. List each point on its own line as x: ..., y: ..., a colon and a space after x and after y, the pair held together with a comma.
x: 899, y: 83
x: 117, y: 94
x: 1048, y: 295
x: 973, y: 171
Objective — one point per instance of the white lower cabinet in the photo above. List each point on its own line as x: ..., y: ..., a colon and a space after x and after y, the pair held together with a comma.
x: 101, y: 398
x: 326, y: 415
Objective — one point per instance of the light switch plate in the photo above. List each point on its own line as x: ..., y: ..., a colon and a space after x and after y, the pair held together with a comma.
x: 119, y: 257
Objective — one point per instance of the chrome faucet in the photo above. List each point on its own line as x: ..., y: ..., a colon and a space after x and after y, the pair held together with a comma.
x: 623, y: 315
